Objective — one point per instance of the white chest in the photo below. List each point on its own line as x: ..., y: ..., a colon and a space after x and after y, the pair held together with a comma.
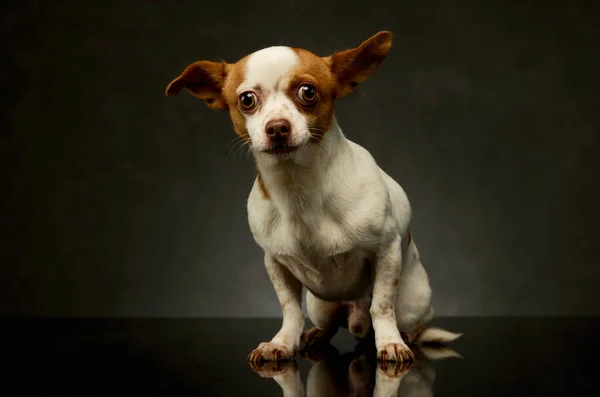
x: 340, y: 277
x: 330, y: 258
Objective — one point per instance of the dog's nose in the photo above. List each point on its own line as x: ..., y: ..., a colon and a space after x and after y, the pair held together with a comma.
x: 278, y: 128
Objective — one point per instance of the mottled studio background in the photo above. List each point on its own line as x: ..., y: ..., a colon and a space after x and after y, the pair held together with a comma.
x: 116, y: 200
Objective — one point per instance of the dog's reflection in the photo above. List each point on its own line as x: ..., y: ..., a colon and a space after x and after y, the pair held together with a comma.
x: 357, y: 373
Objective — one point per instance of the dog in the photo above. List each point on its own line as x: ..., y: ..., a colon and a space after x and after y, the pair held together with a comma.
x: 326, y: 216
x: 356, y: 373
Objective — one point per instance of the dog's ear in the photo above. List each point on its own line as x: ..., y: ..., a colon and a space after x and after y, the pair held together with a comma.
x: 351, y: 67
x: 205, y: 80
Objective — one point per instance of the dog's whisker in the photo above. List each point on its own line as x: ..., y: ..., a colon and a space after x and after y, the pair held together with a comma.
x: 241, y: 148
x: 237, y: 141
x: 319, y: 144
x: 317, y: 130
x: 240, y: 145
x: 231, y: 142
x: 321, y: 126
x: 235, y: 147
x: 319, y: 138
x: 232, y: 150
x: 234, y: 141
x: 322, y: 139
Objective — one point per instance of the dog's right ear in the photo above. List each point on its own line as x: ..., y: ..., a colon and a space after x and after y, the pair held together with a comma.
x: 352, y: 67
x: 204, y: 80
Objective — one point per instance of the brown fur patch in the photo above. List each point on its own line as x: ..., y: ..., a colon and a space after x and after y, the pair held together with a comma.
x: 313, y: 70
x: 205, y: 80
x: 261, y: 183
x: 395, y: 283
x: 216, y: 83
x: 351, y: 67
x: 261, y: 186
x: 234, y: 79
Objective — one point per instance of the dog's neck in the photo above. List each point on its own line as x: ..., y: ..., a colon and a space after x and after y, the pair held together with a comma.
x: 307, y: 179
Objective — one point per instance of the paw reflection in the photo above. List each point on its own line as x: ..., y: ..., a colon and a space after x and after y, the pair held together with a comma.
x: 394, y: 369
x: 356, y: 373
x: 285, y: 373
x: 269, y: 369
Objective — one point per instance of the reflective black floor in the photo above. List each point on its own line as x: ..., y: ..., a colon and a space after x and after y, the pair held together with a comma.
x: 203, y: 357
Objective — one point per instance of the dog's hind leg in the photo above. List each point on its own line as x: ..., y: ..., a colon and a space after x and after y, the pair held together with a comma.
x: 413, y: 300
x: 413, y: 304
x: 325, y: 317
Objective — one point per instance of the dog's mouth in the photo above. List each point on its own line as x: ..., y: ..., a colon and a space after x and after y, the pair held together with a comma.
x: 281, y: 149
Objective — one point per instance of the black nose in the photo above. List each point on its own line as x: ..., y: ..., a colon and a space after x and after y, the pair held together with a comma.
x: 278, y: 128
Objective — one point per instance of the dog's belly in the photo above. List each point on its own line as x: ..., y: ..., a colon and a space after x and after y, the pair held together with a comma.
x: 341, y: 277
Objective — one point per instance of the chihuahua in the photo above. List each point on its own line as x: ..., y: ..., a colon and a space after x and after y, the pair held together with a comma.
x: 327, y: 217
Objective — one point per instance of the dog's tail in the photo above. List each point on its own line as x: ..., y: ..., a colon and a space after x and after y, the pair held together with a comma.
x: 436, y: 335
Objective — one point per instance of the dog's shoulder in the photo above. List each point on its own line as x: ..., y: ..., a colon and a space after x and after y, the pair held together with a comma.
x: 383, y: 198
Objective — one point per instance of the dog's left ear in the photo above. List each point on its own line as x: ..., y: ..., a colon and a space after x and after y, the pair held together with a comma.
x: 353, y: 66
x: 204, y: 80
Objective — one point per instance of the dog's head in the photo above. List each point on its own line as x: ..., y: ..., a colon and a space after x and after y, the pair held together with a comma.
x: 281, y: 99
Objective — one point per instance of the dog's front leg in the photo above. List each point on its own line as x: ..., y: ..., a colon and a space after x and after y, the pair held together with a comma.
x: 389, y: 343
x: 289, y: 292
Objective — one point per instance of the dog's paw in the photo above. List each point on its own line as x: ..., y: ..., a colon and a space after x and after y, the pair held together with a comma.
x: 395, y: 352
x: 268, y: 351
x: 314, y: 336
x: 394, y: 369
x: 270, y: 369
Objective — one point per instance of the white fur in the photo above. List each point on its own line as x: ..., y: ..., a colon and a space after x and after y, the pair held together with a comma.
x: 335, y: 223
x: 339, y: 212
x: 268, y: 66
x: 437, y: 335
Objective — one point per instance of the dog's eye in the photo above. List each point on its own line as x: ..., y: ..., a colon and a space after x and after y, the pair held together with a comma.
x: 307, y: 94
x: 247, y: 100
